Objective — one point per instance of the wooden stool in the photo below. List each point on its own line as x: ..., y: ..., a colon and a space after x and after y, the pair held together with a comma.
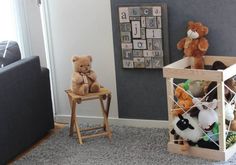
x: 103, y: 94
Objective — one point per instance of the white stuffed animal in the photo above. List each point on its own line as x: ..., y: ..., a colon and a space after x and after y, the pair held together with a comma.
x: 229, y: 109
x: 187, y: 128
x: 207, y: 115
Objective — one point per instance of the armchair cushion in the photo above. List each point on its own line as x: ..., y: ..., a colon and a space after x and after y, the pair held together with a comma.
x: 9, y: 52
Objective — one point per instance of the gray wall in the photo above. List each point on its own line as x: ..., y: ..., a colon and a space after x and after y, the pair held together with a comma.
x: 142, y: 93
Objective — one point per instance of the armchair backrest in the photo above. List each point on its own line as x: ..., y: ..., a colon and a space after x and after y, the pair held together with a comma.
x: 9, y: 52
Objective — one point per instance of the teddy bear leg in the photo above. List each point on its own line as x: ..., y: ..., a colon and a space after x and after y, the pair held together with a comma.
x: 198, y: 62
x: 95, y: 87
x: 83, y: 90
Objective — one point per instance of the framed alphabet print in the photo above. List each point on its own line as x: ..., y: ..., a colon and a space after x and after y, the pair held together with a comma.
x: 143, y: 35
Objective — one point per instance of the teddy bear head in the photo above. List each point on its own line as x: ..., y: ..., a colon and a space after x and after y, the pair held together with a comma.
x: 82, y: 64
x: 196, y: 30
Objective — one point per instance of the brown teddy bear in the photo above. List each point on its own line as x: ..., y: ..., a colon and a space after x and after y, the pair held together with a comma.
x: 83, y: 78
x: 195, y: 44
x: 184, y: 101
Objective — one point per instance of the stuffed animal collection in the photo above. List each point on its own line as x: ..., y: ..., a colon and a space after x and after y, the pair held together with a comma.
x: 229, y: 96
x: 194, y: 111
x: 84, y: 80
x: 218, y: 65
x: 195, y: 44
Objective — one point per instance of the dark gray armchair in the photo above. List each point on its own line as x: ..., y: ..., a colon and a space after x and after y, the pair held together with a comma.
x: 26, y: 113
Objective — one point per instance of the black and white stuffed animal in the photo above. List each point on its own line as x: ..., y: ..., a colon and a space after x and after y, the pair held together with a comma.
x: 187, y: 128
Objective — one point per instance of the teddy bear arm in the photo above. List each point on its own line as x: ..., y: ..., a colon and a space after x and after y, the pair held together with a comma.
x: 76, y: 77
x: 93, y: 75
x: 180, y: 44
x: 203, y: 44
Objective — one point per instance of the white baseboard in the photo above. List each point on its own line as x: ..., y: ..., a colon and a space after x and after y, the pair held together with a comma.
x: 116, y: 121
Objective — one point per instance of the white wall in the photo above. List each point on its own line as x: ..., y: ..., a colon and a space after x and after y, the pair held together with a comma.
x: 82, y: 27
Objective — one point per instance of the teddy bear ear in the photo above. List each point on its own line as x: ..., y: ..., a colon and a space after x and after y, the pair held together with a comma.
x: 205, y: 29
x: 213, y: 104
x: 190, y: 23
x: 90, y: 57
x: 75, y: 58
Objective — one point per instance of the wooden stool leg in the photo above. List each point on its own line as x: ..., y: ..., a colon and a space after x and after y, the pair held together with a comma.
x: 105, y: 113
x: 76, y: 122
x: 107, y: 106
x: 72, y: 117
x: 78, y: 132
x: 72, y: 122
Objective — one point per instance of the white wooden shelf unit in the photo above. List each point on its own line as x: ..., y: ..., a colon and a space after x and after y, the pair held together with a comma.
x: 179, y: 70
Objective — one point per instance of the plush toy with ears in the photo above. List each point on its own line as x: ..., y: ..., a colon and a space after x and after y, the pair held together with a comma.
x: 195, y: 44
x: 207, y: 115
x: 84, y: 80
x: 208, y: 121
x: 184, y: 100
x: 187, y: 128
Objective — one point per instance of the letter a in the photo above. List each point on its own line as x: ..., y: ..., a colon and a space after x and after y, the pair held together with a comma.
x: 123, y: 15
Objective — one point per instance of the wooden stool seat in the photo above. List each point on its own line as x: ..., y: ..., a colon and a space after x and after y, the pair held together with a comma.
x: 102, y: 95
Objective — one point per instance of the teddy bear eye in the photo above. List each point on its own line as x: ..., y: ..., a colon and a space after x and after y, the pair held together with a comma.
x: 81, y: 66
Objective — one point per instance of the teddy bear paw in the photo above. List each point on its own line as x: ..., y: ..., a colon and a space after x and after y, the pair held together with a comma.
x: 95, y: 87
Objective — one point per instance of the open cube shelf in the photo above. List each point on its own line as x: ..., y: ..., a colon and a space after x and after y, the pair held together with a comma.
x: 179, y: 70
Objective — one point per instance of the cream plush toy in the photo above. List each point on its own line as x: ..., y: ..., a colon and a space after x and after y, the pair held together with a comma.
x: 207, y: 115
x: 83, y: 78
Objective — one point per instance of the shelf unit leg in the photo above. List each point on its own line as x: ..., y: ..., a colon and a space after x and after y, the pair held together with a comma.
x: 72, y: 122
x: 221, y: 115
x: 170, y: 93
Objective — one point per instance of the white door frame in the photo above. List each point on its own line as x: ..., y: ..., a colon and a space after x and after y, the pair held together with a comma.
x: 48, y: 42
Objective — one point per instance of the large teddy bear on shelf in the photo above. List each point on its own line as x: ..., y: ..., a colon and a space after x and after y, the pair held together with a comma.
x: 83, y: 78
x: 195, y: 44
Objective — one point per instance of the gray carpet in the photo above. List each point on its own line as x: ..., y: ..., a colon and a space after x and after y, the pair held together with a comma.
x: 129, y: 145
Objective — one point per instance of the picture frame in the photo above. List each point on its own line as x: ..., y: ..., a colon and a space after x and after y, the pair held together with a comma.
x: 143, y: 32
